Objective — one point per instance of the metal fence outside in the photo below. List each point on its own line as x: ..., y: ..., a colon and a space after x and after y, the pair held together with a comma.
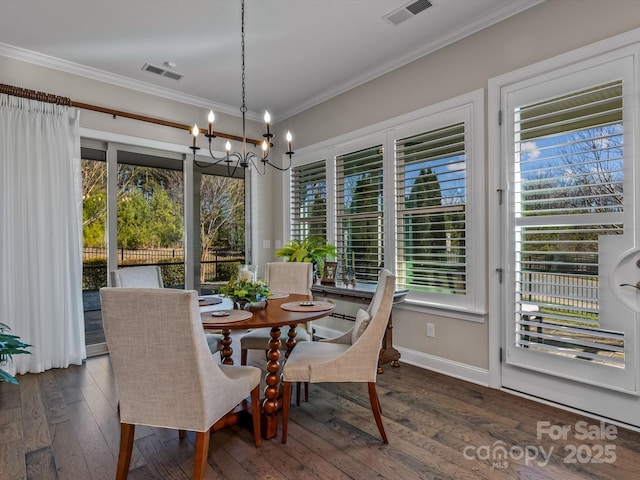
x: 217, y: 265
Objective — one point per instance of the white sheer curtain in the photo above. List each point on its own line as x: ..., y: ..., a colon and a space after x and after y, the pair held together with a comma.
x: 40, y: 232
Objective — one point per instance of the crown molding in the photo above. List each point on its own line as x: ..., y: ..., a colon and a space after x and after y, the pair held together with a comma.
x: 47, y: 61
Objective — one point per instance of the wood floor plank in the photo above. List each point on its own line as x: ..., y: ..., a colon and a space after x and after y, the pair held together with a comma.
x: 98, y: 456
x: 69, y: 456
x: 304, y: 433
x: 183, y: 453
x: 224, y: 464
x: 34, y: 421
x: 54, y: 405
x: 107, y: 419
x: 158, y: 461
x: 12, y: 461
x: 41, y: 464
x: 258, y: 466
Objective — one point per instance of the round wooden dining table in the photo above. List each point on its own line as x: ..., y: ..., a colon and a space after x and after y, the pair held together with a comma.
x: 299, y: 309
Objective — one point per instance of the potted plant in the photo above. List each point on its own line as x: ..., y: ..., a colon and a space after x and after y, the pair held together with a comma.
x: 246, y: 293
x: 9, y: 345
x: 311, y: 249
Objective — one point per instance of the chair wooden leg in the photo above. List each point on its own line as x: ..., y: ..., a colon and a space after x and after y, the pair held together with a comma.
x: 182, y: 434
x: 243, y: 356
x: 377, y: 410
x: 306, y: 391
x: 286, y: 402
x: 126, y: 447
x: 201, y: 454
x: 255, y: 413
x: 298, y: 394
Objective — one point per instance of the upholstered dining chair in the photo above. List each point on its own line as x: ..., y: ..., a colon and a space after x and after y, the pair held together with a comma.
x: 352, y: 357
x: 137, y: 277
x: 164, y: 372
x: 282, y: 277
x: 150, y: 276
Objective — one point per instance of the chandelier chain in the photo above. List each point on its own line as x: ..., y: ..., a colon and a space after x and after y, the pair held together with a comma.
x: 243, y: 109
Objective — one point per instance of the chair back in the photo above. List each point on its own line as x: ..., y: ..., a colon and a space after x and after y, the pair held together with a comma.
x: 164, y: 370
x: 369, y: 343
x: 137, y: 277
x: 289, y: 277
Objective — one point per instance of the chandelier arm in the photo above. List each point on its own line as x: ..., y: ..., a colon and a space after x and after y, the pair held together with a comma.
x: 251, y: 157
x: 217, y: 159
x: 282, y: 169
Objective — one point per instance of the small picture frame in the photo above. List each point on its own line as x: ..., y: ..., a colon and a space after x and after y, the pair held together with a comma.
x: 330, y: 273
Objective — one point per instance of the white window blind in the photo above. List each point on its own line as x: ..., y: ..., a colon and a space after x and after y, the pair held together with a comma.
x: 567, y: 177
x: 431, y: 211
x: 309, y: 201
x: 359, y: 229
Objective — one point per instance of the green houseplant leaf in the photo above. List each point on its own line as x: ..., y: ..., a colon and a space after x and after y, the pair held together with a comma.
x: 309, y: 249
x: 9, y: 345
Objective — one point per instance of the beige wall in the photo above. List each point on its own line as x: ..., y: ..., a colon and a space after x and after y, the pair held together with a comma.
x: 549, y: 29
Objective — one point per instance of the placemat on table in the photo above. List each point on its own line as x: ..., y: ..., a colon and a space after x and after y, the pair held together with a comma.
x: 204, y: 301
x: 234, y: 316
x: 301, y: 307
x: 278, y: 295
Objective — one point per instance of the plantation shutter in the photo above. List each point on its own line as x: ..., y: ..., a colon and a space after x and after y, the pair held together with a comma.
x: 309, y: 201
x: 567, y: 177
x: 359, y: 233
x: 431, y: 213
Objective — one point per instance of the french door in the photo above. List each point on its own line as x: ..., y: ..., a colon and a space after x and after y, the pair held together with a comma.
x: 570, y: 292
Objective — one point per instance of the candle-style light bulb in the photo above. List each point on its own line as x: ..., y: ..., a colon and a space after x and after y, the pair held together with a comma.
x: 267, y: 119
x: 228, y: 147
x: 289, y: 138
x: 195, y: 133
x: 265, y: 146
x: 211, y: 118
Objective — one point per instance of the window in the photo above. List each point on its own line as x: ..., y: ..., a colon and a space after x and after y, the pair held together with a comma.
x: 431, y: 198
x: 359, y: 216
x: 309, y: 201
x: 402, y: 195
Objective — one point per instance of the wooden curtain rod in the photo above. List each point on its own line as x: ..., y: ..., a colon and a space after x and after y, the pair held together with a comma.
x: 50, y: 98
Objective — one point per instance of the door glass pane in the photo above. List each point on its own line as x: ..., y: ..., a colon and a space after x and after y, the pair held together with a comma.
x: 222, y: 209
x: 150, y: 220
x: 567, y: 176
x: 94, y: 255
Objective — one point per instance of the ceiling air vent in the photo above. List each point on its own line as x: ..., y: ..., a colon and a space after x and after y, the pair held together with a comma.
x: 161, y: 71
x: 405, y: 13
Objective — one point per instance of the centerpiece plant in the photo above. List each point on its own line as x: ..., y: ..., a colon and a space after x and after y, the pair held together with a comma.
x: 9, y: 345
x: 245, y: 292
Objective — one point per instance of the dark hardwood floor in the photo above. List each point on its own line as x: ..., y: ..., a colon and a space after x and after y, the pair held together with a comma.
x: 63, y: 424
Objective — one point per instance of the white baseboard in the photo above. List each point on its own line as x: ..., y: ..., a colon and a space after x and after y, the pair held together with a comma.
x: 479, y: 376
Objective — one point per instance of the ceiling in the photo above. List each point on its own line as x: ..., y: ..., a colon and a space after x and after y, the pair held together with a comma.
x: 298, y: 52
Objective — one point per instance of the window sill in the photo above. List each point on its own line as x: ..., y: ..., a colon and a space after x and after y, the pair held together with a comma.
x: 442, y: 310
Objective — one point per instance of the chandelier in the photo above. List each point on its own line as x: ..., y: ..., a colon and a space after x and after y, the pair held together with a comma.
x: 244, y: 158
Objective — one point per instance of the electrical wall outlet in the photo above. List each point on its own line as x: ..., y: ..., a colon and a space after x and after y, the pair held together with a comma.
x: 431, y: 330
